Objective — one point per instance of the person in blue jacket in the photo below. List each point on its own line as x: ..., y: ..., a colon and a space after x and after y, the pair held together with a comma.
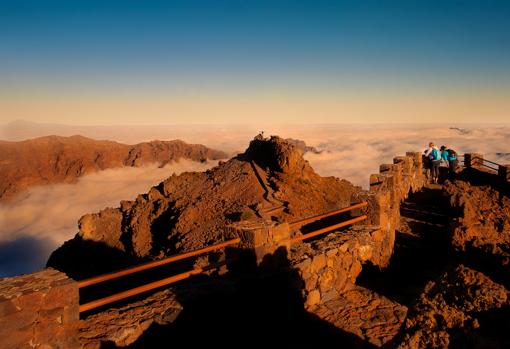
x: 451, y: 156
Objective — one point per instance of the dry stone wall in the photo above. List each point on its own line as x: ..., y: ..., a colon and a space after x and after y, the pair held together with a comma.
x: 39, y: 310
x: 329, y: 267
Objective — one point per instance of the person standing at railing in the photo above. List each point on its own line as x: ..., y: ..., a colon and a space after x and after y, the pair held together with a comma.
x: 434, y: 155
x: 450, y: 155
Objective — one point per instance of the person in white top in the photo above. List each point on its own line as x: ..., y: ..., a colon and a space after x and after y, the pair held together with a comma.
x: 434, y: 156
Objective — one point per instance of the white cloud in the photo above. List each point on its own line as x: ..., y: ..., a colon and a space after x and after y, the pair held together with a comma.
x: 43, y: 217
x: 355, y: 154
x: 47, y: 216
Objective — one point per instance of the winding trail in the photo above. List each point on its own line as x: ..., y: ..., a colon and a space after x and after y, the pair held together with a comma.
x: 275, y: 206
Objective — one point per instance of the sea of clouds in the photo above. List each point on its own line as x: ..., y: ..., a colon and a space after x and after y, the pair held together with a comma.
x: 354, y: 155
x: 42, y: 218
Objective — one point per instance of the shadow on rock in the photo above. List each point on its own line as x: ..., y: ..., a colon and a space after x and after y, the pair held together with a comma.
x: 251, y: 305
x: 81, y: 259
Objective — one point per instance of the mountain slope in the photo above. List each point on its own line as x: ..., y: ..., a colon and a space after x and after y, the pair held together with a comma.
x: 270, y: 181
x: 53, y: 159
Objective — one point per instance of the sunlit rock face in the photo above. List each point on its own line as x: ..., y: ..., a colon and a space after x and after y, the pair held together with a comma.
x: 53, y: 159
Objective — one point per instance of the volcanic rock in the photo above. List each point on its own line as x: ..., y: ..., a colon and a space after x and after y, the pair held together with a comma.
x: 483, y: 226
x: 271, y: 180
x: 301, y: 145
x: 54, y: 159
x: 446, y: 313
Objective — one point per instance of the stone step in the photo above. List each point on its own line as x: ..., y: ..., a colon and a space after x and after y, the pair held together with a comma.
x: 371, y: 317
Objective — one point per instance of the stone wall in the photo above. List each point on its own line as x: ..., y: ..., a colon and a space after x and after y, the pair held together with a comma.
x: 123, y: 325
x: 39, y: 310
x: 329, y: 267
x: 388, y: 189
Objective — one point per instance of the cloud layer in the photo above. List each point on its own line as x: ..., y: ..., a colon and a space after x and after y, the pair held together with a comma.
x: 355, y: 154
x: 44, y: 217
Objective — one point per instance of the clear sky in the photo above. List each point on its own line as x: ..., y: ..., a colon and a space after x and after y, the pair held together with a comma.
x: 164, y: 62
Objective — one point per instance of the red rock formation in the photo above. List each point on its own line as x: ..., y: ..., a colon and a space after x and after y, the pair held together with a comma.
x: 54, y: 159
x: 483, y: 225
x: 446, y: 313
x: 271, y: 180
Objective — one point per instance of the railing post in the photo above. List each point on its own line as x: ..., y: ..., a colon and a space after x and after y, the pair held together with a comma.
x: 378, y: 209
x: 504, y: 172
x: 473, y: 159
x: 418, y: 179
x: 417, y: 160
x: 376, y: 181
x: 261, y: 239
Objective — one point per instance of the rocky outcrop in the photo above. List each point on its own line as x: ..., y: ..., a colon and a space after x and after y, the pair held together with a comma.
x: 52, y: 159
x: 446, y: 314
x: 301, y: 145
x: 271, y: 180
x: 278, y: 155
x: 483, y: 223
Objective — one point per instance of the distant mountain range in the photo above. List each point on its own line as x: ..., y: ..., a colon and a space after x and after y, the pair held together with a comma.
x: 55, y: 159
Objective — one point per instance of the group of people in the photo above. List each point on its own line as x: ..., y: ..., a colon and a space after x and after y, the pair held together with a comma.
x: 443, y: 157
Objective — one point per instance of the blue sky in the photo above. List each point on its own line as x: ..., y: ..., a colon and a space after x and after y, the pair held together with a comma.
x: 254, y: 48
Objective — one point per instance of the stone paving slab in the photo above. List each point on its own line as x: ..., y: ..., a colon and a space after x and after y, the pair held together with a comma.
x: 372, y: 317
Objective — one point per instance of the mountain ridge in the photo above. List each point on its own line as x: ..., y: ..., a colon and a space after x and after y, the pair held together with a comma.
x: 57, y: 159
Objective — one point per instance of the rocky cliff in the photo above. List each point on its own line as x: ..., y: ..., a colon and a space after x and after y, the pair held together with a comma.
x: 271, y: 180
x: 483, y: 224
x: 467, y: 306
x: 53, y: 159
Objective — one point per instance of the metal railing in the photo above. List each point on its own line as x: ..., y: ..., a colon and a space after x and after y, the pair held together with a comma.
x: 153, y: 285
x: 153, y: 264
x: 327, y: 229
x: 301, y: 222
x: 484, y: 161
x: 185, y: 275
x: 141, y: 289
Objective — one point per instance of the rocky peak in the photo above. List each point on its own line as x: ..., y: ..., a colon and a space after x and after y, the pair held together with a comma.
x: 270, y: 181
x: 276, y: 154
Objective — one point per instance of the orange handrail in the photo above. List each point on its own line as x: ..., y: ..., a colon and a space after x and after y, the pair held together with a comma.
x: 141, y: 289
x: 485, y: 160
x: 327, y: 229
x: 153, y: 264
x: 324, y: 215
